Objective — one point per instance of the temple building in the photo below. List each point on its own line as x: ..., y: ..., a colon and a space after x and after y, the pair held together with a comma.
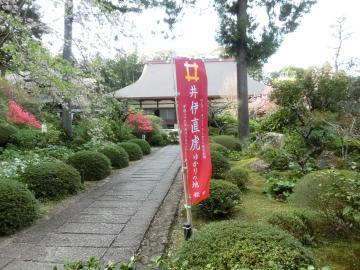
x: 154, y: 92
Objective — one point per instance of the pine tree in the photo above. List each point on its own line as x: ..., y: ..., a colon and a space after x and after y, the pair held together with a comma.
x: 253, y: 41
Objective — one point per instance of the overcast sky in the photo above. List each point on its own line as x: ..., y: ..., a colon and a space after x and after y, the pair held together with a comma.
x: 311, y: 44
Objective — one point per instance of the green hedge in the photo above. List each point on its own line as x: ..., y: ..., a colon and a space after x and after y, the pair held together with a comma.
x: 335, y: 193
x: 230, y: 142
x: 232, y: 245
x: 52, y: 180
x: 297, y: 223
x: 91, y: 165
x: 18, y: 207
x: 6, y: 132
x: 144, y: 145
x: 222, y: 201
x: 239, y: 177
x: 117, y: 155
x: 157, y: 140
x: 133, y: 150
x: 220, y: 165
x: 215, y: 147
x: 29, y: 138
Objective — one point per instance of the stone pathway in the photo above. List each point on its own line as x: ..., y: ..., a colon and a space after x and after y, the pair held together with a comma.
x: 109, y: 222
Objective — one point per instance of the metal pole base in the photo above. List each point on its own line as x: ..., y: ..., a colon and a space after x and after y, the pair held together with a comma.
x: 187, y: 231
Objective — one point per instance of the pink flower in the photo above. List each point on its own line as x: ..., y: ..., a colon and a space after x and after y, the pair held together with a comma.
x: 17, y: 115
x: 139, y: 122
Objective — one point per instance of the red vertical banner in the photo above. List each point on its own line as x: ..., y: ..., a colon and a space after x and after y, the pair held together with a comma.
x: 192, y: 106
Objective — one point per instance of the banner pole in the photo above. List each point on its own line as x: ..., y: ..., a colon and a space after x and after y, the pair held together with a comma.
x: 188, y: 225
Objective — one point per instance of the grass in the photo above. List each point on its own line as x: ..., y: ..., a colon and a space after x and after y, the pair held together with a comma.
x: 256, y: 207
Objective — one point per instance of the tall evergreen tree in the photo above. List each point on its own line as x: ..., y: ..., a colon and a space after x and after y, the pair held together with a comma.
x: 252, y: 39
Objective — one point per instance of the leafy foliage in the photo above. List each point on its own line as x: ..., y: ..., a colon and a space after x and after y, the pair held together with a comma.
x: 6, y: 132
x: 52, y: 180
x: 139, y: 123
x: 220, y: 165
x: 279, y: 186
x: 333, y: 192
x: 219, y: 148
x: 133, y: 150
x: 228, y: 141
x: 144, y: 145
x: 28, y: 138
x: 230, y: 245
x: 277, y: 158
x: 156, y: 140
x: 297, y: 223
x: 117, y: 155
x: 222, y: 201
x: 239, y: 177
x: 91, y: 165
x: 18, y: 206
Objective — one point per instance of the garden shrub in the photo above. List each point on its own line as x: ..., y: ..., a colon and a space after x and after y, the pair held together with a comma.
x: 229, y: 245
x: 18, y: 206
x: 297, y: 223
x: 117, y: 155
x: 156, y: 140
x: 229, y: 142
x: 277, y: 158
x: 52, y: 180
x: 133, y: 150
x: 92, y: 165
x: 279, y: 186
x: 6, y: 132
x: 336, y: 193
x: 239, y: 177
x: 144, y: 145
x: 222, y: 201
x: 220, y: 165
x: 78, y: 141
x: 219, y: 148
x: 29, y: 138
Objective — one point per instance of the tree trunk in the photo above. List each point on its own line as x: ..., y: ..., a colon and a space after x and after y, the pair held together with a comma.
x: 67, y: 55
x: 242, y: 83
x: 2, y: 71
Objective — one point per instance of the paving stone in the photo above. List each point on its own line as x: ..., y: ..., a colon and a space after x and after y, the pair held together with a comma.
x: 63, y: 254
x: 78, y: 240
x: 119, y: 254
x: 117, y: 204
x: 109, y: 211
x: 5, y: 260
x: 106, y: 218
x: 93, y: 228
x: 108, y: 222
x: 30, y: 265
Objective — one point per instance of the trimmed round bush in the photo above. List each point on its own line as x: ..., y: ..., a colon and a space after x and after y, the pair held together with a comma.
x: 335, y: 193
x: 277, y: 158
x: 297, y: 223
x: 52, y: 180
x: 144, y: 145
x: 117, y: 155
x: 133, y: 150
x: 219, y: 148
x: 222, y: 201
x: 220, y: 165
x: 239, y: 177
x: 156, y: 140
x: 6, y: 131
x: 234, y: 244
x: 229, y: 142
x: 93, y: 166
x: 18, y: 207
